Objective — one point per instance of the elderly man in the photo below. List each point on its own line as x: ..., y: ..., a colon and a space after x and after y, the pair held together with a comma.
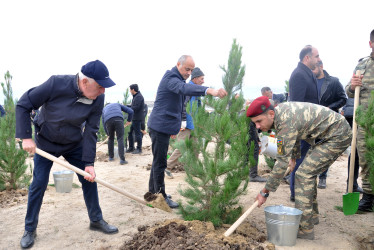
x: 295, y: 121
x: 197, y: 77
x: 68, y: 104
x: 166, y: 117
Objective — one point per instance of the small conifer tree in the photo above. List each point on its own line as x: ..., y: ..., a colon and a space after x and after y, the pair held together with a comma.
x: 12, y: 159
x: 365, y: 119
x: 217, y: 177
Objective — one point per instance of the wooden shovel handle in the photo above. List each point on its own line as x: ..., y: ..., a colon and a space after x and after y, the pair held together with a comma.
x: 240, y: 220
x: 354, y: 137
x: 83, y: 173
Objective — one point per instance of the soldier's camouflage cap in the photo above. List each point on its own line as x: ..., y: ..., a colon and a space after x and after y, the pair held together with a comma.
x: 258, y: 106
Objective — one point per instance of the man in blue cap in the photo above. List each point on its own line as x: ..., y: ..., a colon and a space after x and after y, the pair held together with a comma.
x: 71, y: 106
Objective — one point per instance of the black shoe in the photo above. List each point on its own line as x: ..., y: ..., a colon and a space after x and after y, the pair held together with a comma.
x: 171, y: 203
x: 366, y: 204
x: 322, y: 183
x: 137, y: 151
x: 111, y: 159
x: 257, y: 179
x: 123, y: 162
x: 129, y: 150
x: 292, y: 198
x: 358, y: 189
x: 103, y: 226
x: 28, y: 239
x: 168, y: 196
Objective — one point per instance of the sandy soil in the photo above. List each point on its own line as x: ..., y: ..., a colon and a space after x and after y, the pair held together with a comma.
x: 63, y: 221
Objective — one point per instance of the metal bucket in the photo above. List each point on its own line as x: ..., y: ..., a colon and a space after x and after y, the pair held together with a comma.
x: 63, y: 181
x: 282, y: 224
x: 269, y: 146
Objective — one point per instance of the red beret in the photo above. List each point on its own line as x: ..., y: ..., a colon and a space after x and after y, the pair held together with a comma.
x: 258, y: 106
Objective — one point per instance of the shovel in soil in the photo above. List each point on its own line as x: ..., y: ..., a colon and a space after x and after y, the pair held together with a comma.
x: 240, y: 220
x: 351, y: 200
x: 81, y: 172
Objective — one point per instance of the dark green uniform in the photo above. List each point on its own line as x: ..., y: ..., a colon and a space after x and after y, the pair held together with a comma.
x: 329, y: 135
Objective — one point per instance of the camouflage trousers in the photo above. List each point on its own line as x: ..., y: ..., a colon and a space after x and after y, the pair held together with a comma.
x: 365, y: 168
x: 319, y: 158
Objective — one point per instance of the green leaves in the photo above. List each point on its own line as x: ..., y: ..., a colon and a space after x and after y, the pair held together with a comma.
x: 12, y: 159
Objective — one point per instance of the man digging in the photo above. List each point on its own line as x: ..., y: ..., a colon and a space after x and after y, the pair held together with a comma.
x: 329, y: 135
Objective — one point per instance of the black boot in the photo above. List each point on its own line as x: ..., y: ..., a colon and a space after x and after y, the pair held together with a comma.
x: 366, y: 203
x: 322, y: 183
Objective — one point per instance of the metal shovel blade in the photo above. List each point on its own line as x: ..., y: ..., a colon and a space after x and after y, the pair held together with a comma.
x: 350, y: 203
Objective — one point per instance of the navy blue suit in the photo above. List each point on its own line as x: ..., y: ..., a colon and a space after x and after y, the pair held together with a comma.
x: 165, y: 120
x: 303, y: 88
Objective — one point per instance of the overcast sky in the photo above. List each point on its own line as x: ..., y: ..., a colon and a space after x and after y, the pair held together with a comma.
x: 140, y: 40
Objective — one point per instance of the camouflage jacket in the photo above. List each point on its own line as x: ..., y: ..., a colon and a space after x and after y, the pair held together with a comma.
x: 366, y: 65
x: 295, y: 121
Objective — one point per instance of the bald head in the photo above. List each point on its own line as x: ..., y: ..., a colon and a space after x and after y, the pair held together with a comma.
x: 185, y: 66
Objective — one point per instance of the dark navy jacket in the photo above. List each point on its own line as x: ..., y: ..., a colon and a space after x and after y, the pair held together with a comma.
x: 115, y: 110
x: 166, y: 116
x: 303, y: 85
x: 2, y: 111
x: 137, y: 105
x: 59, y: 124
x: 332, y: 93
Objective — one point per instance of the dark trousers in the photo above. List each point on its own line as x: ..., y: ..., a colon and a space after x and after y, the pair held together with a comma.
x: 160, y: 146
x: 324, y: 174
x: 115, y: 126
x: 42, y: 168
x: 253, y: 137
x: 304, y: 147
x: 135, y: 127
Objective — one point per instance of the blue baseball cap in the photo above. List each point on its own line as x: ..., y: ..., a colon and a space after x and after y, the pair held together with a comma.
x: 99, y: 72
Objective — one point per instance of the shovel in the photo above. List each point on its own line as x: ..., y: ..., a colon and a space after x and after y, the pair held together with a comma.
x: 81, y: 172
x: 351, y: 200
x: 240, y: 220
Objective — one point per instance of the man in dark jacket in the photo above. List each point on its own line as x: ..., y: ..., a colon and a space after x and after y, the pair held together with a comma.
x: 2, y: 111
x: 137, y: 105
x: 277, y: 98
x: 331, y: 94
x: 113, y: 123
x: 67, y: 102
x: 165, y: 119
x: 303, y: 88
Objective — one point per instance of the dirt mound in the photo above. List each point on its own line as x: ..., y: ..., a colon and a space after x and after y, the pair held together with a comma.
x: 179, y: 234
x: 157, y: 201
x: 101, y: 156
x: 9, y: 198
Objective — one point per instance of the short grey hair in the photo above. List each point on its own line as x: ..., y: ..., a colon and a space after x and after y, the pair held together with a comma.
x: 183, y: 58
x: 82, y: 76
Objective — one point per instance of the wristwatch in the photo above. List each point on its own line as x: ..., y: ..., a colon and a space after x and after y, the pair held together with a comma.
x: 266, y: 195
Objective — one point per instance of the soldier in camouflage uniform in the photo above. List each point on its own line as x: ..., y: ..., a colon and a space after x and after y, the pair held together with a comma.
x: 329, y: 135
x: 366, y: 81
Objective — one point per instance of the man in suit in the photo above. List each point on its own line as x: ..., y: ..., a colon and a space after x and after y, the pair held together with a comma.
x: 137, y: 105
x: 166, y: 117
x: 277, y: 98
x: 303, y: 88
